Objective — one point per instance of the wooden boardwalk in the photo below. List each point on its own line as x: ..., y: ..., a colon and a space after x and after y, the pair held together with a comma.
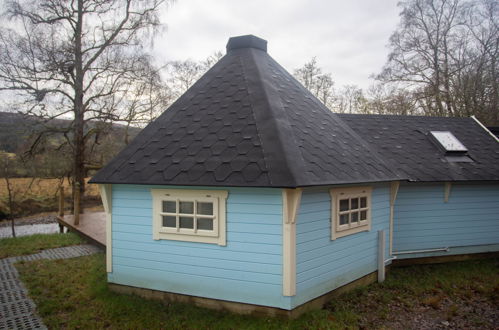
x: 92, y: 226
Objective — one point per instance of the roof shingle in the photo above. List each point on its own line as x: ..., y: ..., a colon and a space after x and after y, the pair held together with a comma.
x: 247, y: 122
x: 404, y: 142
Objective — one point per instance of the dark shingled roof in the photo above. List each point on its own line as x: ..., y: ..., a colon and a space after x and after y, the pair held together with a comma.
x: 247, y: 122
x: 404, y: 142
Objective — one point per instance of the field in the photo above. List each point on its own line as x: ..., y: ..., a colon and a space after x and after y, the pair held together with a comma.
x: 43, y: 187
x: 33, y: 195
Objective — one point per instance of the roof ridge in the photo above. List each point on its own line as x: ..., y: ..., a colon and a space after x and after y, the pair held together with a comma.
x: 387, y: 164
x: 269, y: 130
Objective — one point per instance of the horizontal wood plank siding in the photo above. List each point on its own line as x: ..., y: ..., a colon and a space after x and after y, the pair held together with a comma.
x: 248, y: 269
x: 323, y: 264
x: 424, y: 221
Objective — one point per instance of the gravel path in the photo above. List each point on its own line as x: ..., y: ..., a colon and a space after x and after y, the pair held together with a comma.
x: 31, y: 220
x: 17, y: 310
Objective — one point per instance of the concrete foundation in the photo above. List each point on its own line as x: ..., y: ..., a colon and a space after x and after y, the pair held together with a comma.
x: 317, y: 303
x: 241, y: 308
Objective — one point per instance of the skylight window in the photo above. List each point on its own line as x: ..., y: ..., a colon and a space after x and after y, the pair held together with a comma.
x: 448, y: 141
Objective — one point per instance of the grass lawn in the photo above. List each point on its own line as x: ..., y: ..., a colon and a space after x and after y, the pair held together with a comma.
x: 73, y: 293
x: 10, y: 247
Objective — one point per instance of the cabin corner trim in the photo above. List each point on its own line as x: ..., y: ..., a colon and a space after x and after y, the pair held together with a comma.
x: 291, y: 199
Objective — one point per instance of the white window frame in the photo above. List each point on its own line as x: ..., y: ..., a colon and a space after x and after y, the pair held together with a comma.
x: 338, y: 194
x: 215, y: 236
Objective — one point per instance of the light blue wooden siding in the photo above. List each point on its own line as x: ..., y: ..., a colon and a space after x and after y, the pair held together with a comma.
x: 248, y: 269
x: 322, y: 264
x: 424, y: 221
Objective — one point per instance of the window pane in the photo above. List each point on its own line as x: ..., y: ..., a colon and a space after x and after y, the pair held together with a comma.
x: 186, y: 222
x: 363, y: 202
x: 355, y: 217
x: 343, y: 219
x: 355, y: 203
x: 186, y: 207
x: 363, y: 215
x: 169, y: 206
x: 205, y: 224
x: 205, y: 208
x: 344, y: 204
x: 169, y: 221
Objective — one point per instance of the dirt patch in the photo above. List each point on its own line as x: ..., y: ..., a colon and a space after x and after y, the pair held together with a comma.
x: 454, y: 295
x: 457, y: 313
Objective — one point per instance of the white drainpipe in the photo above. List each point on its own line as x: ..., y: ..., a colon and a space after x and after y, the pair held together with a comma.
x: 381, y: 256
x: 446, y: 249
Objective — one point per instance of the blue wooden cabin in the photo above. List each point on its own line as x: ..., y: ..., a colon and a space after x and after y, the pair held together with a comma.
x: 248, y: 193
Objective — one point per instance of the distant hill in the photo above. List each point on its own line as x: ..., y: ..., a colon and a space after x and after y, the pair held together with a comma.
x: 16, y: 129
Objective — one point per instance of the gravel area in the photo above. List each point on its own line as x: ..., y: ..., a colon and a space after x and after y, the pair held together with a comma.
x: 43, y: 218
x: 473, y: 312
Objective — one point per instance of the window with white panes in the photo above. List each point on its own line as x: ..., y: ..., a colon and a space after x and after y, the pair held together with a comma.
x: 350, y: 210
x: 189, y: 215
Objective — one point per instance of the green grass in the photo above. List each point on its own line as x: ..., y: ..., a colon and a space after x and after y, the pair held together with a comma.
x: 10, y: 247
x: 73, y: 293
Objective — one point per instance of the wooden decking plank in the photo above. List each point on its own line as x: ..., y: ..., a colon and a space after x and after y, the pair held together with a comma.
x: 92, y: 226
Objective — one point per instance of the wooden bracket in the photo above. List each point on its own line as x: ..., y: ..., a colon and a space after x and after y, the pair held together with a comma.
x: 106, y: 194
x: 291, y: 202
x: 394, y: 189
x: 447, y: 189
x: 291, y: 199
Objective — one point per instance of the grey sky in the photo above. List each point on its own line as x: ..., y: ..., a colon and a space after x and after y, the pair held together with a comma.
x: 348, y: 37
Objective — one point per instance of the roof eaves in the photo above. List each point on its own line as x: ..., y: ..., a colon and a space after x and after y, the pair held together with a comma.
x: 485, y: 128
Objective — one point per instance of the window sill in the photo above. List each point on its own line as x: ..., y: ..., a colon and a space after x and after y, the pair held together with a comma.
x: 355, y: 230
x: 191, y: 238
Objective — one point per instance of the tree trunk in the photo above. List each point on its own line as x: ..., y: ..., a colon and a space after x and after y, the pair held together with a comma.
x: 436, y: 84
x: 448, y: 99
x: 11, y: 204
x: 79, y: 111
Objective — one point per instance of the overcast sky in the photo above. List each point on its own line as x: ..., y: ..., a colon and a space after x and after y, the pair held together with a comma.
x: 348, y: 37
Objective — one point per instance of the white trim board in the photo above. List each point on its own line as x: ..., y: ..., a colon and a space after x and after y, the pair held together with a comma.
x: 106, y: 193
x: 485, y: 128
x: 291, y: 199
x: 394, y: 189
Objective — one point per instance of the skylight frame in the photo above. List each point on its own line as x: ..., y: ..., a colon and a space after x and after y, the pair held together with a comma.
x: 448, y: 142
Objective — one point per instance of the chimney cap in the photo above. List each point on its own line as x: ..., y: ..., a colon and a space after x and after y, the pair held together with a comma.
x: 247, y: 41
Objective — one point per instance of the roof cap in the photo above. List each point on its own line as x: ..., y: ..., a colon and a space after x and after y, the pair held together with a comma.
x: 247, y: 41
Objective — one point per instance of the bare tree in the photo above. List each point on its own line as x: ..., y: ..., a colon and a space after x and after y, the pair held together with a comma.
x: 182, y: 74
x: 74, y: 59
x: 318, y: 83
x: 382, y: 99
x: 445, y: 52
x: 350, y: 99
x: 477, y: 87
